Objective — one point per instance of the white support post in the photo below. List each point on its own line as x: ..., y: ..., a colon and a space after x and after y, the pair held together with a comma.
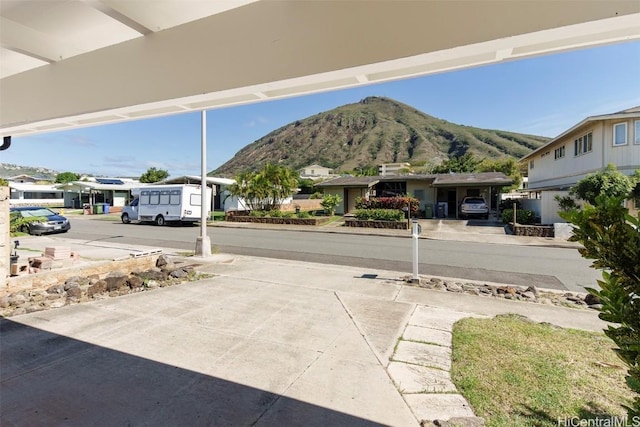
x: 203, y: 243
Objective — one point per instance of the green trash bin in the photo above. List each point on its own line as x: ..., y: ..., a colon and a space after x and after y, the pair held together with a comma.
x: 428, y: 211
x: 97, y: 208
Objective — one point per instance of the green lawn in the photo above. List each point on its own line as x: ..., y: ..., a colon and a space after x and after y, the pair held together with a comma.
x: 515, y: 372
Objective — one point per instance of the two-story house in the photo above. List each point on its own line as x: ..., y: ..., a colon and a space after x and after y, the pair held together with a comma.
x: 315, y: 172
x: 587, y: 147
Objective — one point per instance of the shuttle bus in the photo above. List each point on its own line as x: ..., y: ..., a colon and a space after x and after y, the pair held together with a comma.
x: 166, y: 203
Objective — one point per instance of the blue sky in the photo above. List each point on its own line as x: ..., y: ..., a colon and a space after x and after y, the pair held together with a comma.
x: 541, y: 96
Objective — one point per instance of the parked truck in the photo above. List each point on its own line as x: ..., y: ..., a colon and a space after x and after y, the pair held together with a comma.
x: 166, y: 203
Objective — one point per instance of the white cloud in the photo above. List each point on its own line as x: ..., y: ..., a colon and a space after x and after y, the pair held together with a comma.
x: 257, y: 121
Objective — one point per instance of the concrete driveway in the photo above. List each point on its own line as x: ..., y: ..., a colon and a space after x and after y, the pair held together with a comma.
x: 223, y: 351
x: 264, y: 342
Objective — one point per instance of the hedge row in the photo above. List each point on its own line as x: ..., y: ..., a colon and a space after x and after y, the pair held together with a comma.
x: 379, y: 214
x: 389, y: 203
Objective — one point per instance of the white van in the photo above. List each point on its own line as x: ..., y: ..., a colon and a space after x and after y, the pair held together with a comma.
x: 166, y: 203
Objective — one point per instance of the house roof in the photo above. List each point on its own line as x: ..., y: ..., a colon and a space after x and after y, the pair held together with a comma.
x: 624, y: 114
x: 440, y: 180
x: 193, y: 179
x: 36, y: 188
x: 90, y: 186
x: 351, y: 181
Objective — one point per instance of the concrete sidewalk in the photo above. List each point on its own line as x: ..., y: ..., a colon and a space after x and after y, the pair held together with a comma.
x: 264, y: 342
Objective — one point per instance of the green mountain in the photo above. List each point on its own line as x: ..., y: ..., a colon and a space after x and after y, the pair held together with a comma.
x: 373, y: 131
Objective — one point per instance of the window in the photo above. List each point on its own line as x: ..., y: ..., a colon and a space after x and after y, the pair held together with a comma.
x: 196, y: 199
x: 636, y: 139
x: 531, y: 164
x: 144, y: 198
x: 164, y: 197
x: 620, y: 134
x: 154, y: 197
x: 559, y: 153
x: 583, y: 145
x: 175, y: 197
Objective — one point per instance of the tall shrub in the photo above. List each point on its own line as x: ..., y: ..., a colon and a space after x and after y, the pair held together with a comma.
x: 611, y: 237
x: 330, y: 202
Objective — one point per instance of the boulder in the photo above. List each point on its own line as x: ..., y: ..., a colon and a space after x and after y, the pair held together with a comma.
x: 135, y: 282
x: 115, y: 280
x: 55, y: 289
x: 97, y: 288
x: 74, y: 292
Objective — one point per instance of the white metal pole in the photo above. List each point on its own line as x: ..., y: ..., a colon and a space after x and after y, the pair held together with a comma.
x: 414, y: 237
x: 203, y: 175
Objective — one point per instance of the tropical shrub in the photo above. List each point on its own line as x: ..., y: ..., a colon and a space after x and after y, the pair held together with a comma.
x: 379, y: 214
x: 523, y: 216
x: 508, y: 204
x: 18, y: 223
x: 611, y: 237
x: 609, y: 182
x: 330, y: 202
x: 265, y: 189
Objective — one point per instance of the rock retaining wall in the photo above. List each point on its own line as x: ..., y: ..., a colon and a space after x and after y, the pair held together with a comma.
x: 269, y: 220
x: 88, y: 285
x: 533, y: 230
x: 512, y: 292
x: 395, y: 225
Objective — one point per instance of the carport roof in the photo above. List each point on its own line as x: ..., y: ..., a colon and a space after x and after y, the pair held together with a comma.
x: 66, y: 64
x: 188, y: 179
x: 471, y: 179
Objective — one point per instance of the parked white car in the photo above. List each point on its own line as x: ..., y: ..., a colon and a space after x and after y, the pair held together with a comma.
x: 474, y: 206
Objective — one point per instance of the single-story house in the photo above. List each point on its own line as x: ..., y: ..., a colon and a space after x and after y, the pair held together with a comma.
x: 439, y: 194
x: 27, y: 193
x: 112, y: 191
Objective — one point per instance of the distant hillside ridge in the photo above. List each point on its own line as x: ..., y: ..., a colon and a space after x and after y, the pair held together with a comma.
x: 373, y: 131
x: 8, y: 170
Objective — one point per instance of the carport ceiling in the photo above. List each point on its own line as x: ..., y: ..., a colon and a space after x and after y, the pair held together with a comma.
x: 73, y: 63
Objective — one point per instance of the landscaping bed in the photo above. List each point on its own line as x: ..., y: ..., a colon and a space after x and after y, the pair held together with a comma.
x: 272, y: 220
